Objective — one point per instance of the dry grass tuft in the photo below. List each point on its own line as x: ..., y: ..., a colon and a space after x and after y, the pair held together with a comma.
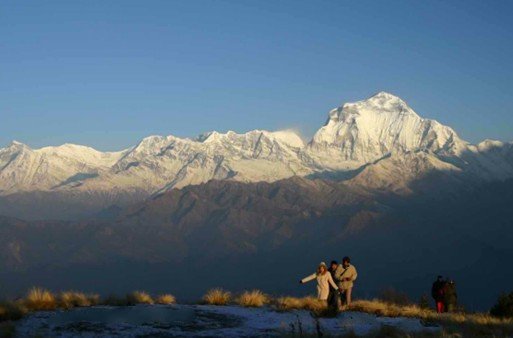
x: 289, y: 303
x: 94, y: 299
x: 165, y: 299
x: 139, y: 297
x: 306, y: 303
x: 39, y: 299
x: 11, y: 311
x: 255, y: 298
x: 381, y: 308
x: 71, y: 299
x: 313, y: 304
x: 217, y: 297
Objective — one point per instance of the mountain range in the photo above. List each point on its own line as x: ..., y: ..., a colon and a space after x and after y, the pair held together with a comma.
x: 404, y: 196
x: 378, y: 143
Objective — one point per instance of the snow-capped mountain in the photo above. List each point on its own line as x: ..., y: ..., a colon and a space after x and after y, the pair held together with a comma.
x: 381, y: 142
x: 365, y: 131
x: 155, y: 163
x: 48, y: 168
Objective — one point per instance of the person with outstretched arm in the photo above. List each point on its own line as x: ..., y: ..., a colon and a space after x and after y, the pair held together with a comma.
x: 324, y: 280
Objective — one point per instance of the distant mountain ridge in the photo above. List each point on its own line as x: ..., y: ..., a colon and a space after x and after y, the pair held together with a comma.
x: 228, y: 233
x: 363, y: 141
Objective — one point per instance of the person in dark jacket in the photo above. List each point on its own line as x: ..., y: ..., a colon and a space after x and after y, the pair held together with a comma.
x: 334, y: 296
x: 450, y: 296
x: 437, y: 292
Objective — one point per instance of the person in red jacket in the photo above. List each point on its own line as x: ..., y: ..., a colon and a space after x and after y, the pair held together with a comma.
x: 437, y: 292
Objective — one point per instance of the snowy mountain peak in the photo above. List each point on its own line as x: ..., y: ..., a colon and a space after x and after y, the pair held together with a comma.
x: 382, y: 95
x: 213, y: 136
x: 287, y: 136
x: 367, y: 130
x: 17, y: 145
x: 151, y: 144
x: 382, y: 103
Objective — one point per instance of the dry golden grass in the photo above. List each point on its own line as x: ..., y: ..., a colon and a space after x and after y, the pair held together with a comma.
x: 94, y: 299
x: 382, y: 308
x: 306, y: 303
x: 288, y: 303
x: 217, y: 297
x: 314, y: 304
x: 165, y: 299
x: 139, y: 297
x: 11, y: 311
x: 39, y: 299
x: 71, y: 299
x: 254, y: 298
x: 454, y: 324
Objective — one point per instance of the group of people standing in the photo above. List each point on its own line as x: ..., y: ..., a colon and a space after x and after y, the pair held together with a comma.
x: 334, y: 284
x: 444, y: 293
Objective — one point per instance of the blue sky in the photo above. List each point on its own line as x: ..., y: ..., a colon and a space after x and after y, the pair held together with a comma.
x: 108, y: 73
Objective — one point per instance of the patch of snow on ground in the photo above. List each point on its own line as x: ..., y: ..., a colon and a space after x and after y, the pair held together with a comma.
x: 202, y: 321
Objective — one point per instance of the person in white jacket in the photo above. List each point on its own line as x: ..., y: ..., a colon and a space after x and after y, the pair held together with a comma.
x: 324, y: 280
